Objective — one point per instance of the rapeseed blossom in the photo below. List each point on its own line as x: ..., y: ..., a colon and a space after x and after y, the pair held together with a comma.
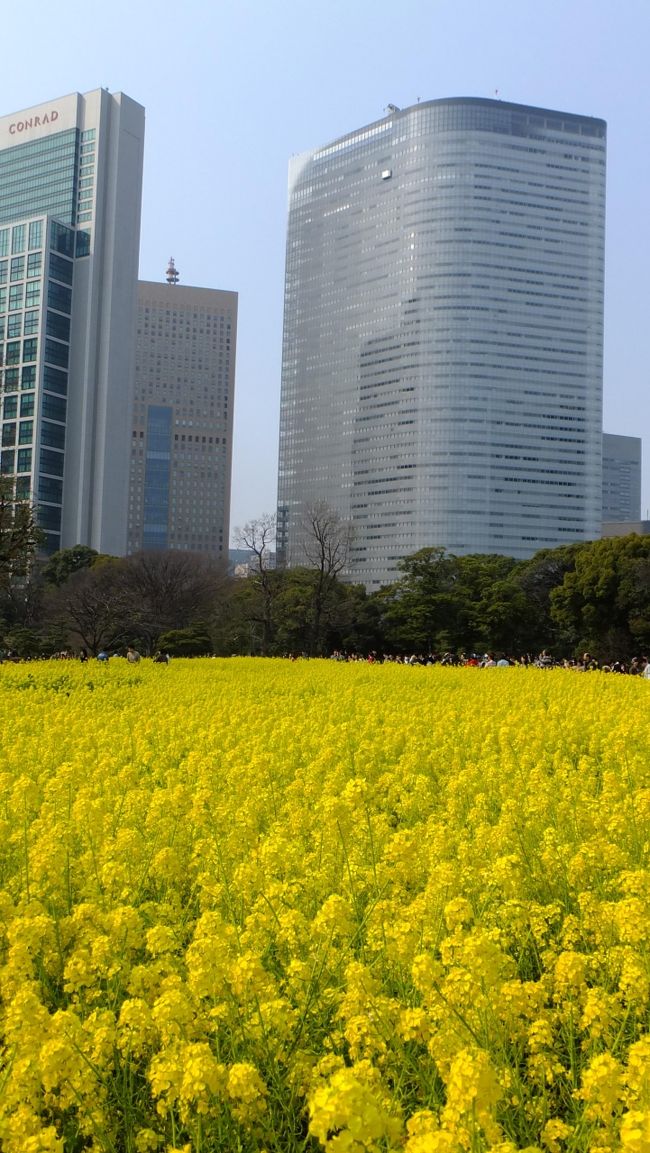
x: 280, y: 907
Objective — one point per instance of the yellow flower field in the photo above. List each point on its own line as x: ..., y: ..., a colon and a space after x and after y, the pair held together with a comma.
x: 256, y: 905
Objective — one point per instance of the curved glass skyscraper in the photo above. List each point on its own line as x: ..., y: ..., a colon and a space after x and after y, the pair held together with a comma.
x: 442, y: 353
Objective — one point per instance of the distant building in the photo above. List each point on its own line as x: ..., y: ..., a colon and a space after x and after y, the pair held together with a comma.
x: 181, y: 442
x: 70, y: 191
x: 442, y: 350
x: 621, y: 478
x: 625, y: 528
x: 243, y: 562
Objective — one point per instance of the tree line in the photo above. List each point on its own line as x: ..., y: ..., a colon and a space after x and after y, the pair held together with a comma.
x: 593, y: 596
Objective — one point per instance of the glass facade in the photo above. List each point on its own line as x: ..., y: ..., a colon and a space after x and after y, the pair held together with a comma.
x: 442, y: 350
x: 156, y: 477
x: 32, y: 388
x: 40, y: 176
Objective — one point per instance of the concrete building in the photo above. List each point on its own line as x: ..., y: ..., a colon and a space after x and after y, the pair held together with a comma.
x: 625, y: 528
x: 181, y: 435
x: 70, y: 192
x: 442, y: 350
x: 621, y: 478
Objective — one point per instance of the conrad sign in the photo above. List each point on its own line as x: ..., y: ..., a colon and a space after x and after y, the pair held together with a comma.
x: 18, y: 126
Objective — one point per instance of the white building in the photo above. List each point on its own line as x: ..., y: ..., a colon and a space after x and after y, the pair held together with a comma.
x: 70, y: 192
x: 181, y: 435
x: 442, y: 353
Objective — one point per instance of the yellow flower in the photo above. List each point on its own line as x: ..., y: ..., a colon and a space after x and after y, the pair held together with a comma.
x: 554, y: 1132
x: 635, y: 1131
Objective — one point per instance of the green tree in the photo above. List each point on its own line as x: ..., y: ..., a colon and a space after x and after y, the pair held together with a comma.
x: 537, y: 579
x: 417, y: 609
x: 62, y: 564
x: 190, y: 642
x: 603, y: 604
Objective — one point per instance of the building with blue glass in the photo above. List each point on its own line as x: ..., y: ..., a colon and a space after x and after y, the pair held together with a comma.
x: 181, y: 434
x: 442, y: 348
x: 70, y: 192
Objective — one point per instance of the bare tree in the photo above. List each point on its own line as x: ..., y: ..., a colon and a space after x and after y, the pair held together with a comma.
x: 91, y: 606
x: 169, y: 589
x: 137, y: 598
x: 258, y: 536
x: 326, y: 540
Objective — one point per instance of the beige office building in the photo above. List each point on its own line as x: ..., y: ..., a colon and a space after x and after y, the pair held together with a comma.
x: 181, y: 444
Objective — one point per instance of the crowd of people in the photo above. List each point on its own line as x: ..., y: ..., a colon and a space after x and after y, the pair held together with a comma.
x: 130, y: 654
x: 636, y: 666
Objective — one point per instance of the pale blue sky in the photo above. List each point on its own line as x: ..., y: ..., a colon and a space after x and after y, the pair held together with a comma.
x: 232, y: 89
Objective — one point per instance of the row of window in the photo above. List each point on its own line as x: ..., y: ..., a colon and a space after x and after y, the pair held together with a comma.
x: 21, y: 296
x: 20, y: 461
x: 17, y: 236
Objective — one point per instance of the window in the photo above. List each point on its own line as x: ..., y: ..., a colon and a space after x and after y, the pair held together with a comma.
x: 54, y: 407
x: 8, y: 434
x: 9, y: 407
x: 60, y: 269
x: 49, y: 517
x: 58, y: 326
x: 7, y: 457
x: 34, y: 263
x: 17, y: 268
x: 15, y: 324
x: 56, y: 353
x: 32, y: 293
x: 24, y: 460
x: 83, y: 244
x: 52, y: 435
x: 35, y: 234
x: 51, y: 462
x: 4, y: 269
x: 31, y: 322
x: 12, y: 355
x: 50, y: 490
x: 62, y: 239
x: 60, y: 298
x: 26, y: 403
x: 55, y: 380
x: 16, y: 296
x: 18, y: 238
x: 30, y: 349
x: 25, y: 432
x: 28, y: 377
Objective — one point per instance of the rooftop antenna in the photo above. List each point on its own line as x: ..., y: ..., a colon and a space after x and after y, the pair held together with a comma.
x: 172, y: 272
x: 391, y: 108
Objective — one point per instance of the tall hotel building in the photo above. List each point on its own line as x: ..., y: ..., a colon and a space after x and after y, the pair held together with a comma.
x: 70, y: 192
x: 442, y: 352
x: 181, y: 435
